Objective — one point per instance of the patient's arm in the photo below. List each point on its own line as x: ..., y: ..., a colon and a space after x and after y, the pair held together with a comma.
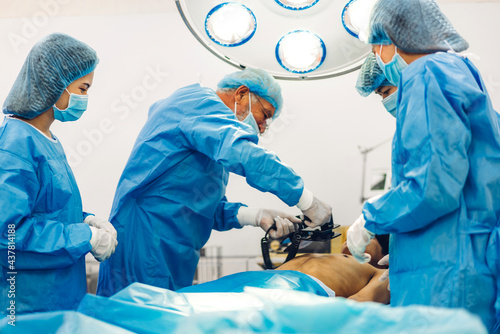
x: 374, y: 290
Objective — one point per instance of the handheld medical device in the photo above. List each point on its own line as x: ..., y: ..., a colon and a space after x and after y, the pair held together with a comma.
x: 304, y: 233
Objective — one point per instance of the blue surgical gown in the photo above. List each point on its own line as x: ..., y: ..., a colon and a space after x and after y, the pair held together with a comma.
x: 39, y: 195
x: 172, y: 191
x: 443, y: 208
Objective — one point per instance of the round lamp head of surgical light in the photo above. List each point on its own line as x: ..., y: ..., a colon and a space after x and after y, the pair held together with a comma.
x: 300, y: 51
x: 356, y: 17
x: 230, y: 24
x: 297, y: 4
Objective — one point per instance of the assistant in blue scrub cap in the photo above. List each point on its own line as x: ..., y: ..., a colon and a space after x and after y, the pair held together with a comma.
x: 443, y: 207
x: 45, y: 233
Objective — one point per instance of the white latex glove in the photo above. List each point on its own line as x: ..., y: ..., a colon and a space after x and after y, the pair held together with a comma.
x: 103, y: 244
x: 384, y: 262
x: 100, y: 223
x: 283, y: 227
x: 358, y: 237
x: 285, y: 223
x: 317, y: 211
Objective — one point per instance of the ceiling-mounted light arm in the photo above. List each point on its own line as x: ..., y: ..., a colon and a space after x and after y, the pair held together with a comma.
x: 195, y: 34
x: 335, y: 74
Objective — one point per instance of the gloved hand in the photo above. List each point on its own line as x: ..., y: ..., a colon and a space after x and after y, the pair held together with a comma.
x: 358, y: 237
x: 101, y: 224
x: 284, y: 226
x: 384, y: 262
x: 318, y: 212
x: 285, y: 223
x: 103, y: 244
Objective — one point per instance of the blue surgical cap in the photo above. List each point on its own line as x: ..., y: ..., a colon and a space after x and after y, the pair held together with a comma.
x: 52, y: 64
x: 370, y: 77
x: 416, y: 26
x: 258, y: 82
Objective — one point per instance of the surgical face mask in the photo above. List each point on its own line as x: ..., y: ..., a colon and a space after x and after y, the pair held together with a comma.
x: 392, y: 70
x: 250, y: 120
x: 77, y: 105
x: 390, y: 103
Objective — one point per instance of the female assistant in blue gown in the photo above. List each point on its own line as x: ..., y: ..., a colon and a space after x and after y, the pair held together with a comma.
x: 443, y: 210
x: 44, y: 232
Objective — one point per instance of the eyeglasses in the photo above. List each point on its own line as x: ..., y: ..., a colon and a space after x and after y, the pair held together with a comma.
x: 268, y: 118
x: 267, y: 114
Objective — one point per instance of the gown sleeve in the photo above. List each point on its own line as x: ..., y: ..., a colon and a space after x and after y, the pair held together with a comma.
x: 225, y: 215
x: 39, y: 243
x: 223, y: 138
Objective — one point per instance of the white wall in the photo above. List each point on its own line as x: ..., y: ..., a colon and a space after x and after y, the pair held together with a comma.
x: 145, y: 57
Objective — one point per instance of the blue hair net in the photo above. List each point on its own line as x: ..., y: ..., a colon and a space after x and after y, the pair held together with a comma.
x: 416, y: 26
x: 259, y: 82
x: 370, y: 77
x: 52, y: 64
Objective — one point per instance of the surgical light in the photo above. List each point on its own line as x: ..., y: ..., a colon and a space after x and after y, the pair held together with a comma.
x: 230, y: 24
x: 300, y: 51
x: 356, y: 17
x: 297, y: 4
x: 291, y: 39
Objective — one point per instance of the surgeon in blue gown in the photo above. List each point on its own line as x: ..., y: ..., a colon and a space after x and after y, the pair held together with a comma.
x: 443, y: 210
x: 171, y: 194
x: 44, y: 232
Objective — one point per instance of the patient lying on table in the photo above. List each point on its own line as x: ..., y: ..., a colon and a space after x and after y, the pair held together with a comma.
x: 344, y: 275
x: 322, y: 274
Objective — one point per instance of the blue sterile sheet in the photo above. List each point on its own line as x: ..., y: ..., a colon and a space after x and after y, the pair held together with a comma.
x: 60, y: 322
x: 267, y: 279
x: 142, y: 308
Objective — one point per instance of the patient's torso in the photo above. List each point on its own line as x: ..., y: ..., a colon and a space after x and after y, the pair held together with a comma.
x: 340, y: 272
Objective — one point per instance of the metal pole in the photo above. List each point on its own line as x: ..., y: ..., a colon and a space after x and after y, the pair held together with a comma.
x: 364, y: 152
x: 363, y: 176
x: 219, y: 261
